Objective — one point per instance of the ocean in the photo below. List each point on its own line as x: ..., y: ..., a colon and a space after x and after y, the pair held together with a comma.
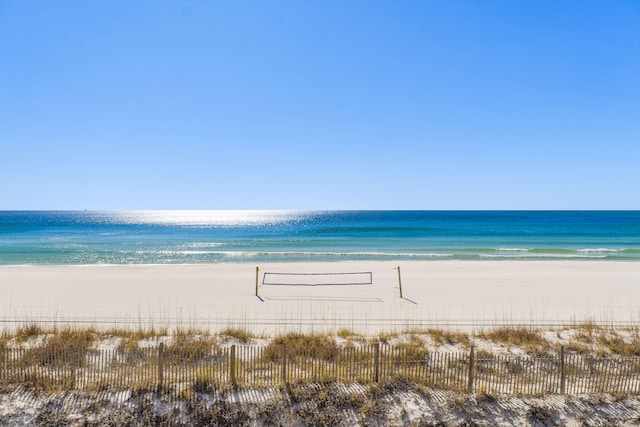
x: 190, y: 237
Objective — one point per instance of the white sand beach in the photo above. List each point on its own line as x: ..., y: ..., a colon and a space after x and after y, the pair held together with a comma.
x: 458, y: 294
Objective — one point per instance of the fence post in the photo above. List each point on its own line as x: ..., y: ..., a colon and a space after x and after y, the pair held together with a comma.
x: 3, y: 365
x: 471, y: 369
x: 72, y: 361
x: 160, y: 366
x: 562, y: 370
x: 284, y: 363
x: 232, y: 365
x: 399, y: 281
x: 376, y: 359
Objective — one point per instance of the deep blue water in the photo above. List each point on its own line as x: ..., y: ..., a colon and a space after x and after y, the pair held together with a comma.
x: 159, y: 237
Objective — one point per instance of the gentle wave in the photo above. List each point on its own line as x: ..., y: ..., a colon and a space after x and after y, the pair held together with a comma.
x: 542, y: 255
x: 598, y: 250
x: 512, y: 250
x: 292, y: 253
x: 204, y: 245
x: 183, y: 252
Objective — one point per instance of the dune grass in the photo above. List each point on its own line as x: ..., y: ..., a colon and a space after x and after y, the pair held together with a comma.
x: 241, y: 335
x: 414, y: 349
x: 137, y: 333
x: 531, y: 341
x: 591, y: 338
x: 66, y: 346
x: 583, y: 338
x: 30, y: 330
x: 448, y: 337
x: 318, y: 346
x: 197, y: 359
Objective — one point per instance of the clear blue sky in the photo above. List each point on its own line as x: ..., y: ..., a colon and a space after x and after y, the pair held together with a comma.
x: 320, y: 104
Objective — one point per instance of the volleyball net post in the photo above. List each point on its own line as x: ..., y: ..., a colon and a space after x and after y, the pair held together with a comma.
x: 399, y: 280
x: 257, y: 280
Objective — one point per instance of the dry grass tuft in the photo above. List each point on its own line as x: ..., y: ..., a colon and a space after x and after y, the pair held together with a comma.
x: 530, y: 341
x: 317, y: 346
x: 414, y: 349
x: 66, y: 346
x: 590, y: 338
x: 186, y: 347
x: 618, y: 346
x: 385, y: 337
x: 25, y: 332
x: 4, y: 339
x: 72, y: 337
x: 587, y: 332
x: 448, y: 337
x: 346, y: 333
x: 241, y: 335
x: 191, y: 332
x: 137, y: 334
x: 131, y: 350
x: 325, y: 405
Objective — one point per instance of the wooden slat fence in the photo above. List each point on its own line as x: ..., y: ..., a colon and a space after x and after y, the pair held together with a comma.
x: 169, y: 369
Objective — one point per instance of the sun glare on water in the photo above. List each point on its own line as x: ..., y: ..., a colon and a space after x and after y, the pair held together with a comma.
x: 226, y: 218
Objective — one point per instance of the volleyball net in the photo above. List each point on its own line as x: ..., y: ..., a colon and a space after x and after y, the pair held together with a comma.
x: 317, y: 279
x: 335, y: 280
x: 344, y: 280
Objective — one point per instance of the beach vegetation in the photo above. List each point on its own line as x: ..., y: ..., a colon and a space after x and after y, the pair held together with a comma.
x: 618, y: 345
x: 69, y: 337
x: 585, y: 338
x: 62, y: 355
x: 220, y: 413
x: 598, y: 340
x: 241, y: 335
x: 185, y: 347
x: 191, y: 332
x: 66, y: 346
x: 589, y: 327
x: 203, y: 382
x: 346, y: 334
x: 386, y: 337
x: 542, y: 415
x: 30, y: 330
x: 441, y: 337
x: 574, y: 346
x: 5, y: 336
x: 138, y: 333
x: 326, y: 404
x: 317, y: 346
x: 128, y: 344
x: 587, y: 332
x: 415, y: 349
x: 531, y: 341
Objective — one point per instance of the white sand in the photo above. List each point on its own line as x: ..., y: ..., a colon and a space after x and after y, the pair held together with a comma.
x: 454, y: 293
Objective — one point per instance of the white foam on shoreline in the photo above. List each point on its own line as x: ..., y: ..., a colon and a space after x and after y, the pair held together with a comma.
x: 543, y: 255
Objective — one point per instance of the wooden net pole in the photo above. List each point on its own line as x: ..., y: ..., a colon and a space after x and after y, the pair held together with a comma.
x: 399, y: 281
x: 257, y: 278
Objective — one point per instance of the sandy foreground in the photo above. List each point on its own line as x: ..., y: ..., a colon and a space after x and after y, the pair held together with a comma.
x: 458, y: 294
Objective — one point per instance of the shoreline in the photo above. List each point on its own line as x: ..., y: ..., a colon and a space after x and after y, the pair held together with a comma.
x: 443, y: 292
x: 344, y: 261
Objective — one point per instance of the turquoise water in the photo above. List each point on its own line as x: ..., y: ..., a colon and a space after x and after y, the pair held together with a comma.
x: 184, y: 237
